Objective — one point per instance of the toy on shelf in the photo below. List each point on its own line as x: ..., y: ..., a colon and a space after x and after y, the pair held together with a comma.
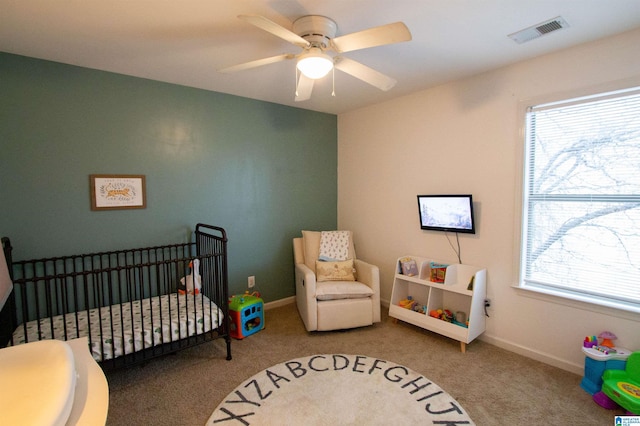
x: 413, y: 305
x: 438, y: 271
x: 421, y: 309
x: 407, y: 303
x: 460, y: 318
x: 447, y: 316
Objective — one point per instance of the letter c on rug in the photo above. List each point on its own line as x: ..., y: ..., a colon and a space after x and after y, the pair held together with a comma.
x: 313, y: 358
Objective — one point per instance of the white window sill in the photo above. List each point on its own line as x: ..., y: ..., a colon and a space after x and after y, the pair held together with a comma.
x: 586, y: 303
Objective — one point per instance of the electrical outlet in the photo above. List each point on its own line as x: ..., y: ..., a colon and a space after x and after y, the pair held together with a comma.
x: 251, y: 281
x: 487, y: 303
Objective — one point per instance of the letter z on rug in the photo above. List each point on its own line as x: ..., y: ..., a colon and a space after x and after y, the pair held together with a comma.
x: 338, y: 390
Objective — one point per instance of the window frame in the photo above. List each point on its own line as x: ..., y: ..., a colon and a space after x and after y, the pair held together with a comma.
x: 549, y: 294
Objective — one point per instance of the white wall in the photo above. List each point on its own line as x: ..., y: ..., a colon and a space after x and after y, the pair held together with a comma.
x: 464, y: 137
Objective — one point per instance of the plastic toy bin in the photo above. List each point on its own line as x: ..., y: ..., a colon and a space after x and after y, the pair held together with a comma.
x: 247, y: 315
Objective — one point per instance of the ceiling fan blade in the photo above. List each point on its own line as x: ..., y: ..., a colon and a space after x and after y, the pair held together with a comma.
x: 304, y: 89
x: 377, y: 36
x: 257, y: 63
x: 364, y: 73
x: 275, y: 29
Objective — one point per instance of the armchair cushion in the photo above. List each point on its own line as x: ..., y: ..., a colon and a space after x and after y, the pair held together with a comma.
x: 335, y: 290
x: 335, y: 271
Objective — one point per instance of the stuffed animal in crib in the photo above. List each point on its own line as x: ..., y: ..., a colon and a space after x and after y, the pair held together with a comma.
x: 189, y: 284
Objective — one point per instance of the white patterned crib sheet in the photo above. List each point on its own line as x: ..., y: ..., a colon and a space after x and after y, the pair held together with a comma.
x: 137, y: 325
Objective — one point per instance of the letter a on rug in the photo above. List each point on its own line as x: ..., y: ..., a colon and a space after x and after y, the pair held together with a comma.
x: 338, y: 389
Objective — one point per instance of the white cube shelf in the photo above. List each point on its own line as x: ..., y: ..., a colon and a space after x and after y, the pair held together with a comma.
x: 452, y: 294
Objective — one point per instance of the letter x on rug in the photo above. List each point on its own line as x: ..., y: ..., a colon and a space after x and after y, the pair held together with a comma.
x: 338, y: 390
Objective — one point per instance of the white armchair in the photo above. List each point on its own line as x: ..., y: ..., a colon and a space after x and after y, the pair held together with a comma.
x: 337, y: 293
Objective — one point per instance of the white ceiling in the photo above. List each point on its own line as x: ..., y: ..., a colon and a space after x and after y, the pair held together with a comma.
x: 186, y: 41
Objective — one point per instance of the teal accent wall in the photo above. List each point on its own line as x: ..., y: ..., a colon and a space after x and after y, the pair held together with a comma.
x: 260, y: 170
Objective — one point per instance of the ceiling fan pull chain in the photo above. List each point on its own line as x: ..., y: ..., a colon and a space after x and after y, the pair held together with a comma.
x: 296, y: 81
x: 333, y: 78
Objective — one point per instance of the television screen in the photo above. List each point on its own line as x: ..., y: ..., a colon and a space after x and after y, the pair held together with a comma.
x: 446, y: 213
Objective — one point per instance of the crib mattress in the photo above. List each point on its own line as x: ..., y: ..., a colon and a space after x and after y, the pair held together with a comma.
x: 122, y: 329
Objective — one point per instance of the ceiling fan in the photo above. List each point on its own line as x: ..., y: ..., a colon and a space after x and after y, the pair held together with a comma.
x: 316, y: 35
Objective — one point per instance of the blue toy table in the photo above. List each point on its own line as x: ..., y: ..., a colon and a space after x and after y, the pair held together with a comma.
x: 596, y: 362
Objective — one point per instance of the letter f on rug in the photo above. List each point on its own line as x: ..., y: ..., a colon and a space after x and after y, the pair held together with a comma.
x: 338, y: 390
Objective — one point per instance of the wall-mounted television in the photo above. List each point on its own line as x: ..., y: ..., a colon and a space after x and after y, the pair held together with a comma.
x: 453, y: 213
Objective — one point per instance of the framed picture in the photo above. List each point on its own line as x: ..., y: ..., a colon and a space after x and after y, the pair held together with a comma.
x: 112, y: 192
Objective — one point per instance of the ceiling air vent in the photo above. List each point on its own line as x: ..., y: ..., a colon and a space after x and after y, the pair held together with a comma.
x: 539, y: 30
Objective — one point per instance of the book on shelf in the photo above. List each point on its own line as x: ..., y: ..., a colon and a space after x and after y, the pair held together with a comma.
x: 408, y: 267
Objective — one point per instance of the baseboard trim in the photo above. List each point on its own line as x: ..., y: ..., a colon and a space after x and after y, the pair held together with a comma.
x: 280, y: 302
x: 533, y: 354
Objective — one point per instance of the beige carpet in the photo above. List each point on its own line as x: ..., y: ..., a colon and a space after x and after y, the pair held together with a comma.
x: 495, y: 387
x: 338, y: 389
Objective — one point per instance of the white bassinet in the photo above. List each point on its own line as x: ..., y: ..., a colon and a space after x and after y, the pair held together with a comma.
x: 52, y: 382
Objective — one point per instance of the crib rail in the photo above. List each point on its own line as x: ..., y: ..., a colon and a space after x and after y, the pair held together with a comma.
x: 60, y: 285
x: 100, y: 295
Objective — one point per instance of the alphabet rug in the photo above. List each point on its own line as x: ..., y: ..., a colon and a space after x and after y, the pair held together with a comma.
x: 334, y: 389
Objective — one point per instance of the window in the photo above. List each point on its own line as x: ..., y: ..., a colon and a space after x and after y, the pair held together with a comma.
x: 581, y: 211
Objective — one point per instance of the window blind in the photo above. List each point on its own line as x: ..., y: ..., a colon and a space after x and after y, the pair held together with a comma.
x: 581, y: 221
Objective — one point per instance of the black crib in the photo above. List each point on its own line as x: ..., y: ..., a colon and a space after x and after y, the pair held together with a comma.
x: 132, y: 304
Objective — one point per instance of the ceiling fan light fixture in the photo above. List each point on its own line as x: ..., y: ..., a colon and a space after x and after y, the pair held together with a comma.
x: 315, y: 63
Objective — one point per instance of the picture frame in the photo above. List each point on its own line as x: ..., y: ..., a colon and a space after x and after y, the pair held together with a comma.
x: 115, y: 192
